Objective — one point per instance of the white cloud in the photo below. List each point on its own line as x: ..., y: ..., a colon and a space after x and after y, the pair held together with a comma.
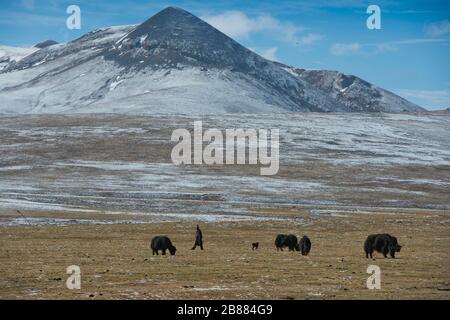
x: 309, y: 39
x: 430, y: 99
x: 384, y: 47
x: 340, y: 49
x: 238, y: 25
x: 438, y: 29
x: 270, y: 54
x: 420, y: 41
x: 30, y: 19
x: 233, y: 23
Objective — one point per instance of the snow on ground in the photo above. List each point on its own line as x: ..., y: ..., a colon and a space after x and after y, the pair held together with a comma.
x: 50, y: 163
x: 59, y: 222
x: 378, y: 139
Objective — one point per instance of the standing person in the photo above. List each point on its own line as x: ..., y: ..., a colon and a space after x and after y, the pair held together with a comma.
x: 198, y: 239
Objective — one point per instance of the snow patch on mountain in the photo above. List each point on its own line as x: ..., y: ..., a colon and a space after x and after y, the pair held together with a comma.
x: 13, y: 54
x: 175, y: 63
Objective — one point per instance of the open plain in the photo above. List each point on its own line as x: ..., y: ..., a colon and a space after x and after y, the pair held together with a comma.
x: 91, y: 190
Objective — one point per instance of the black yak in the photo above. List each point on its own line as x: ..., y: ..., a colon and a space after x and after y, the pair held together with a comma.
x: 383, y: 243
x: 305, y: 245
x: 290, y: 241
x: 162, y: 243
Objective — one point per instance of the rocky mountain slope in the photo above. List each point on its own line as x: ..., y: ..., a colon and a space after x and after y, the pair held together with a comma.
x: 10, y: 55
x: 175, y: 63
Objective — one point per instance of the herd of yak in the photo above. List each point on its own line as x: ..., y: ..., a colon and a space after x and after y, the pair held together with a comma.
x: 383, y: 243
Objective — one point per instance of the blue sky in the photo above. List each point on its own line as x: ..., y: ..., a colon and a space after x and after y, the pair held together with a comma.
x: 410, y: 55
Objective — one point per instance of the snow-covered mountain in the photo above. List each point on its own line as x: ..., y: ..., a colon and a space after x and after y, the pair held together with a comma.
x: 13, y: 54
x: 175, y: 63
x: 45, y: 44
x: 353, y: 92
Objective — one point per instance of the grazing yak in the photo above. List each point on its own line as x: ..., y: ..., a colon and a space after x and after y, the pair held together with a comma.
x: 255, y: 245
x: 305, y: 245
x: 383, y: 243
x: 290, y: 241
x: 162, y: 243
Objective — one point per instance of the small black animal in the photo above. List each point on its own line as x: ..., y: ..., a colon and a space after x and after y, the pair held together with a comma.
x: 255, y: 245
x: 162, y: 243
x: 305, y: 245
x: 290, y: 241
x: 383, y: 243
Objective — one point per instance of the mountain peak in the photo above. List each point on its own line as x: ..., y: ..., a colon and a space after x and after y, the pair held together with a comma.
x: 175, y: 37
x: 169, y: 20
x: 174, y: 9
x: 45, y: 44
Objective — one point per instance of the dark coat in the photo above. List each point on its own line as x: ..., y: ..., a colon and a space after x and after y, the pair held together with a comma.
x: 162, y: 243
x: 305, y: 245
x: 383, y: 243
x: 198, y: 237
x: 290, y: 241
